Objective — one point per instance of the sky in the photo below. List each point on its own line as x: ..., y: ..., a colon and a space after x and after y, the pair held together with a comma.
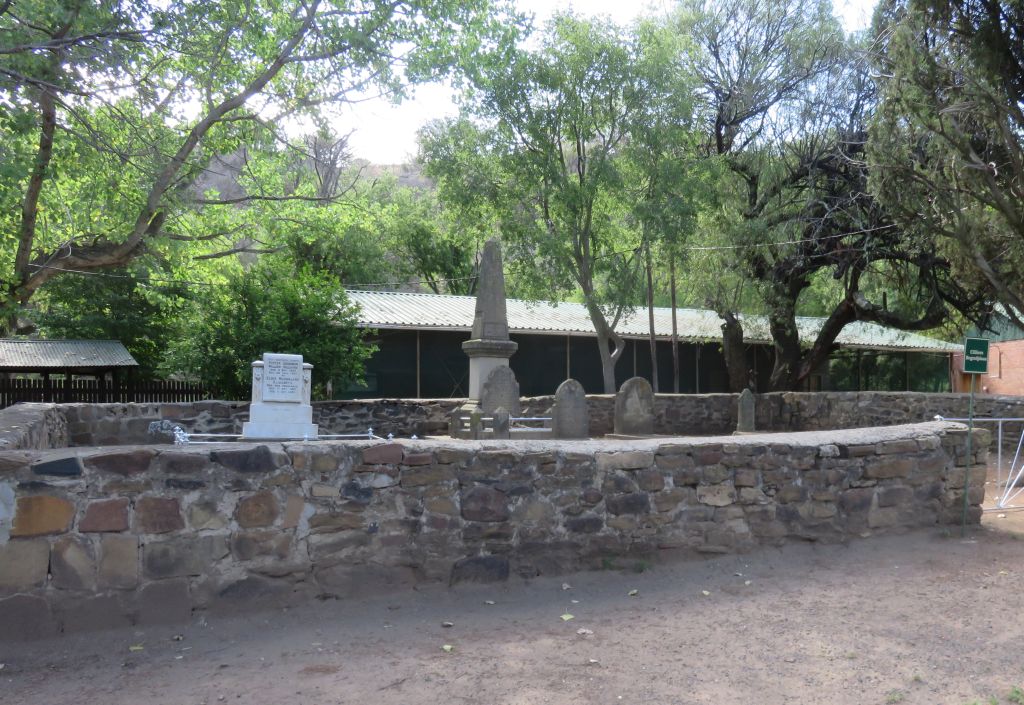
x: 383, y: 133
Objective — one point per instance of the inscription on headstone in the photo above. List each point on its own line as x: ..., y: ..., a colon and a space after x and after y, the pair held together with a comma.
x: 745, y: 412
x: 282, y: 378
x: 570, y: 417
x: 634, y: 408
x: 500, y: 390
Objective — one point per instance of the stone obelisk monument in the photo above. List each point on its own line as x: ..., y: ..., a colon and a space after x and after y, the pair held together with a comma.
x: 489, y: 347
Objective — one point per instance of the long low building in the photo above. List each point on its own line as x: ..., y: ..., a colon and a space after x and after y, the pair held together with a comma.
x: 419, y: 339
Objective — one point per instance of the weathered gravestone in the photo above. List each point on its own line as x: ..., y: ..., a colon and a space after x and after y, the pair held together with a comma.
x: 570, y: 417
x: 500, y: 390
x: 634, y: 408
x: 745, y: 413
x: 502, y: 423
x: 280, y: 405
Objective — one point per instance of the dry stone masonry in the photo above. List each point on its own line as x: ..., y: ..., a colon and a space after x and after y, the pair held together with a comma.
x: 141, y: 535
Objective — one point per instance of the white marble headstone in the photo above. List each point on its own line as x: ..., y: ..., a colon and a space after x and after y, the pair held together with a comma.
x: 280, y: 407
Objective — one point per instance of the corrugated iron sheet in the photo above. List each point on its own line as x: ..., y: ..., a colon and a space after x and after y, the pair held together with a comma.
x: 433, y: 311
x: 34, y: 354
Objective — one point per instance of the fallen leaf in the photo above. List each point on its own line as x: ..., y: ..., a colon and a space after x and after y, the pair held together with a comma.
x: 136, y: 647
x: 705, y: 593
x: 746, y: 582
x: 447, y: 648
x: 488, y: 602
x: 575, y: 602
x: 633, y: 593
x: 178, y: 637
x: 566, y: 586
x: 583, y: 631
x: 593, y: 661
x: 566, y: 617
x: 447, y: 624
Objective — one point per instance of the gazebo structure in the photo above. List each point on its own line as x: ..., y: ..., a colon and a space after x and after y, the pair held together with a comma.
x: 29, y: 369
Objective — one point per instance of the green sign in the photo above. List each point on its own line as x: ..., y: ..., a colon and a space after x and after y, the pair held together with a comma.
x: 975, y: 356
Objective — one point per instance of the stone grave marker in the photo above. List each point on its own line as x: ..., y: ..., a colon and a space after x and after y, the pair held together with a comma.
x: 280, y: 405
x: 570, y: 417
x: 634, y: 408
x: 745, y: 413
x: 500, y: 389
x: 501, y: 423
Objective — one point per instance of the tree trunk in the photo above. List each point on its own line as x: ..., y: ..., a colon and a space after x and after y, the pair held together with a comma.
x: 606, y: 335
x: 734, y: 352
x: 675, y: 327
x: 650, y: 319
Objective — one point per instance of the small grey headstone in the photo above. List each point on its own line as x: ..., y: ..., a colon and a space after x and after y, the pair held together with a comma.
x: 500, y: 389
x: 745, y: 415
x: 570, y: 417
x: 634, y: 408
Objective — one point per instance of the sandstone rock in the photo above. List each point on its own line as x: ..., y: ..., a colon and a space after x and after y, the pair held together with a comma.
x: 250, y: 460
x: 417, y: 459
x: 13, y: 461
x: 636, y: 503
x: 356, y: 492
x: 324, y: 491
x: 254, y: 544
x: 121, y: 462
x: 625, y: 460
x: 895, y: 496
x: 105, y: 515
x: 23, y: 565
x: 791, y: 493
x: 388, y: 454
x: 59, y: 467
x: 618, y: 484
x: 157, y: 515
x: 650, y: 480
x: 376, y: 480
x: 745, y: 478
x: 883, y: 467
x: 293, y: 508
x: 418, y: 477
x: 484, y: 504
x: 182, y: 556
x: 480, y: 569
x: 716, y: 495
x: 257, y: 510
x: 857, y: 499
x: 441, y: 505
x: 584, y: 524
x: 332, y: 521
x: 40, y: 515
x: 591, y: 496
x: 119, y: 562
x: 204, y: 514
x: 178, y: 463
x: 73, y: 564
x: 670, y: 499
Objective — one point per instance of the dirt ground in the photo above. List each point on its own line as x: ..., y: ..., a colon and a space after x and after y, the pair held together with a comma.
x: 923, y: 617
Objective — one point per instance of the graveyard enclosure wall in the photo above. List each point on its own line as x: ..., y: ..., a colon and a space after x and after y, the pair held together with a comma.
x: 142, y: 535
x: 39, y: 426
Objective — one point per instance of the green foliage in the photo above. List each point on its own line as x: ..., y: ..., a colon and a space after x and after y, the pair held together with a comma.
x: 124, y: 305
x: 272, y: 307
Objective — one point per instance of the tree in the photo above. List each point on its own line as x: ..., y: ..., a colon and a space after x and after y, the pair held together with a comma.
x: 149, y: 93
x: 540, y: 163
x: 947, y: 146
x: 802, y: 211
x: 271, y: 307
x: 135, y: 306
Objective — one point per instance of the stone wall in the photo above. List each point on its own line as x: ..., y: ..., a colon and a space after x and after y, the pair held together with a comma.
x: 140, y: 535
x: 49, y: 426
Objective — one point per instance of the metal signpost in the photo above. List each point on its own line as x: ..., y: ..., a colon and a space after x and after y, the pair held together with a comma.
x: 975, y: 363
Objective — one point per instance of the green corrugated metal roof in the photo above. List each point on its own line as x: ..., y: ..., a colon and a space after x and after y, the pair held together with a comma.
x: 31, y: 353
x: 441, y: 312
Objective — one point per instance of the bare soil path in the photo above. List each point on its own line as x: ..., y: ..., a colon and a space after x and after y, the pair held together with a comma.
x: 924, y: 617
